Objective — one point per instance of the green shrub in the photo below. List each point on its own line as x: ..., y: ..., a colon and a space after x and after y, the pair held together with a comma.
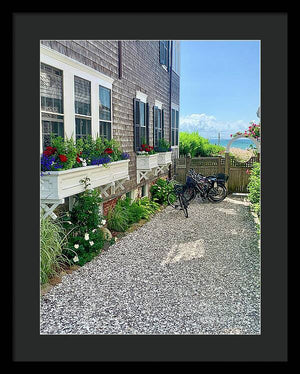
x: 117, y: 219
x: 159, y: 191
x: 85, y: 239
x: 254, y: 187
x: 127, y: 212
x: 197, y: 146
x: 52, y: 243
x: 149, y: 207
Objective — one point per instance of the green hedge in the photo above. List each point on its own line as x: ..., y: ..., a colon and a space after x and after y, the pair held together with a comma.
x: 254, y: 188
x: 197, y: 146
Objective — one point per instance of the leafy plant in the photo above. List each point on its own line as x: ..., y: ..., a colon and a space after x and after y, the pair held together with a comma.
x: 254, y: 188
x: 117, y: 219
x: 163, y: 146
x: 197, y: 146
x: 52, y: 243
x: 84, y: 222
x: 159, y: 191
x: 65, y: 154
x: 149, y: 207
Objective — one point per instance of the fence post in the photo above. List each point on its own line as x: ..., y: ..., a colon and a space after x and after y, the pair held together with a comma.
x: 227, y: 164
x: 187, y: 164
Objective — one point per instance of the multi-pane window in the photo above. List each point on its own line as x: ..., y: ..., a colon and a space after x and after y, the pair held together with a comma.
x: 164, y: 53
x: 52, y: 112
x: 105, y: 112
x: 158, y: 125
x: 82, y: 95
x: 174, y: 127
x: 176, y: 56
x: 140, y: 123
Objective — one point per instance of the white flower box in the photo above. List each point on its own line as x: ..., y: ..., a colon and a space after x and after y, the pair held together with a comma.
x: 57, y: 185
x: 164, y: 158
x: 146, y: 162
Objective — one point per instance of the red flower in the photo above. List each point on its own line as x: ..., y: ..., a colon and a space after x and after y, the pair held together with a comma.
x: 49, y: 151
x: 147, y: 149
x: 63, y: 158
x: 108, y: 151
x: 78, y: 159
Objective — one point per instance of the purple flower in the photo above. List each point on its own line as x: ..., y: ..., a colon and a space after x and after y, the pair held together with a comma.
x: 125, y: 156
x: 47, y: 162
x: 100, y: 160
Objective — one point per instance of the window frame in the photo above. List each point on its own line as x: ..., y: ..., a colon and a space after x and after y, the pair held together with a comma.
x: 51, y: 113
x: 164, y: 58
x: 102, y: 120
x: 70, y: 68
x: 160, y: 130
x: 140, y: 99
x: 174, y: 126
x: 83, y: 116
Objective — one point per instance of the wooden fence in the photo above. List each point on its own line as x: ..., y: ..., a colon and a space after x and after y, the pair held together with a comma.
x: 238, y: 177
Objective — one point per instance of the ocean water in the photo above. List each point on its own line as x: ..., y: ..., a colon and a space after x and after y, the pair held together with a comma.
x: 239, y: 143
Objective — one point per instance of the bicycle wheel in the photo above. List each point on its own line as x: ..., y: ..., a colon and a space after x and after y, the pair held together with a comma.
x: 217, y: 194
x: 183, y: 205
x: 173, y: 200
x: 189, y: 193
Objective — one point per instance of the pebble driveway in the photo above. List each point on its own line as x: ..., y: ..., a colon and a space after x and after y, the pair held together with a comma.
x: 174, y: 275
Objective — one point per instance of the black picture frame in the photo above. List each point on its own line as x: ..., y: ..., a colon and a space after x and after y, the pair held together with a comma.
x: 28, y: 30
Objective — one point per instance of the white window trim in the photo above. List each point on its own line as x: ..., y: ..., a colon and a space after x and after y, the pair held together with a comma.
x: 141, y: 96
x: 70, y: 68
x: 158, y: 104
x: 175, y: 107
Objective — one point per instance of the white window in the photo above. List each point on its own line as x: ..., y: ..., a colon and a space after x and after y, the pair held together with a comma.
x: 52, y: 111
x: 82, y: 99
x: 70, y: 98
x: 174, y: 126
x: 105, y: 112
x: 176, y: 56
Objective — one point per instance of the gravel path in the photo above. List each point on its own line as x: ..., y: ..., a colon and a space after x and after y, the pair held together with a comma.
x: 199, y: 275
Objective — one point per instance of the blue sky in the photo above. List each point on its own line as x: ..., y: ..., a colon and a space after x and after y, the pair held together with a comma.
x: 219, y: 86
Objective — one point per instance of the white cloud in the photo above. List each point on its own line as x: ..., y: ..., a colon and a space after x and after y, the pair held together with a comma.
x: 209, y: 127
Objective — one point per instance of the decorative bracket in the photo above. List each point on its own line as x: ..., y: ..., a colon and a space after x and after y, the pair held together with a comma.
x: 48, y: 210
x: 143, y: 174
x: 162, y: 168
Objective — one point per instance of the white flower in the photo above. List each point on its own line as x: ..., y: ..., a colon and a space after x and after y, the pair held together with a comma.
x: 86, y: 236
x: 94, y: 230
x: 84, y: 163
x: 76, y: 259
x: 76, y: 246
x: 91, y: 243
x: 103, y: 222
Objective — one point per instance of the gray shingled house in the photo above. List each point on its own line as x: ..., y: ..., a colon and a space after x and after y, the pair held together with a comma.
x: 135, y: 83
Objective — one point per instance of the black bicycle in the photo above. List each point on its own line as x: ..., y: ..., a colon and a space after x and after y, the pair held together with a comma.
x: 211, y: 188
x: 177, y: 197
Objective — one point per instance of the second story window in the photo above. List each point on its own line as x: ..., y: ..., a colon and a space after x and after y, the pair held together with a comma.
x: 174, y: 127
x: 158, y: 119
x: 52, y: 112
x: 105, y: 112
x: 82, y: 92
x: 164, y: 53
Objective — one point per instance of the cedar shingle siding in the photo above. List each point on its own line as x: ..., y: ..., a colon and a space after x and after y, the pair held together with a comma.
x: 141, y: 71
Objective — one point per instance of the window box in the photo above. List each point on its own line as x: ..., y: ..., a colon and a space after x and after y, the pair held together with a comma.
x: 146, y: 162
x: 164, y: 158
x: 56, y: 185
